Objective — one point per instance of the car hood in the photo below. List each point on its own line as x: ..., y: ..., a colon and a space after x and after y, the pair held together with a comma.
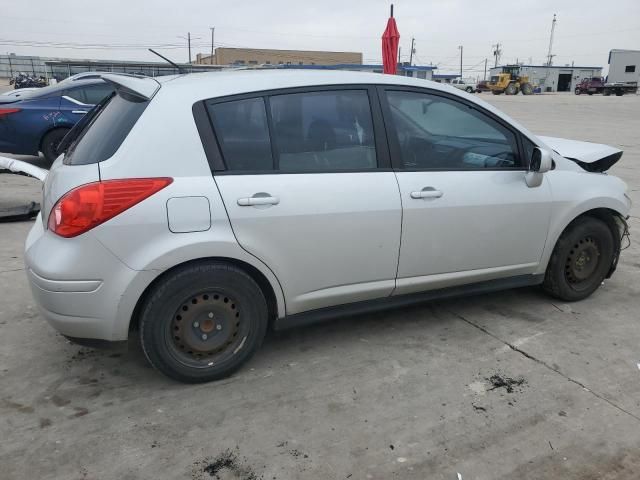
x: 593, y: 157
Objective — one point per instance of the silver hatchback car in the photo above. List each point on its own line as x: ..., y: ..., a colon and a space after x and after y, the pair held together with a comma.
x: 199, y: 210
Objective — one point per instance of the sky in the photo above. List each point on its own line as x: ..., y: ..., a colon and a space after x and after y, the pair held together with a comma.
x: 119, y: 29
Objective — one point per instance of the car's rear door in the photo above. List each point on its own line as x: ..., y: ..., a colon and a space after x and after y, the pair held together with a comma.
x: 77, y: 100
x: 309, y: 190
x: 468, y: 214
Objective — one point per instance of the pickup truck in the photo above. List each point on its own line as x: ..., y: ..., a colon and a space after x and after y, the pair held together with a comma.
x: 462, y: 85
x: 598, y: 85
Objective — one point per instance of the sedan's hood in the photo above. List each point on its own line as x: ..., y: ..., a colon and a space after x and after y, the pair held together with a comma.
x: 593, y: 157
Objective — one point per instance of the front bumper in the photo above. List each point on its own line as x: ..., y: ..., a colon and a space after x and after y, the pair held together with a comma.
x: 80, y: 287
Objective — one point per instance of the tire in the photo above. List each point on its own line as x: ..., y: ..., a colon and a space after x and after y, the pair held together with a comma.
x: 606, y: 92
x: 511, y: 89
x: 577, y: 91
x: 50, y: 142
x: 469, y: 89
x: 496, y: 92
x: 526, y: 89
x: 203, y: 321
x: 619, y: 94
x: 580, y: 260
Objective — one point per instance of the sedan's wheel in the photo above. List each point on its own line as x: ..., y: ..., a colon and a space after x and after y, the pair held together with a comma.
x: 50, y: 142
x: 202, y: 322
x: 581, y: 260
x: 577, y: 91
x: 469, y: 89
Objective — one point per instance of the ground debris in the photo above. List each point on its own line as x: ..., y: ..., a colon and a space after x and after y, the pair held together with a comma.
x: 226, y: 465
x: 508, y: 383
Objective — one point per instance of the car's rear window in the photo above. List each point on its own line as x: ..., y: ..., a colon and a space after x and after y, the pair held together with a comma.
x: 104, y: 134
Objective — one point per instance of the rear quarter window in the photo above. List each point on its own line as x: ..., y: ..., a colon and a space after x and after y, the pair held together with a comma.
x: 103, y: 136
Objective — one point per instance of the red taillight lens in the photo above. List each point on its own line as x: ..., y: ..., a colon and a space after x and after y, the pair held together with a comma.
x: 89, y: 205
x: 7, y: 111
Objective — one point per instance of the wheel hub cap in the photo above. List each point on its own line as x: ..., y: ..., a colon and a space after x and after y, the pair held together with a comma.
x: 582, y: 260
x: 205, y: 325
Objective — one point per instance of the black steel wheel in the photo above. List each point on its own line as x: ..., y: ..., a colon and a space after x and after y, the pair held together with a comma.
x: 202, y: 322
x: 580, y: 260
x: 50, y: 142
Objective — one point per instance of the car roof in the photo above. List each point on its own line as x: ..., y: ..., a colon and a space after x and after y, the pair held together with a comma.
x: 241, y: 81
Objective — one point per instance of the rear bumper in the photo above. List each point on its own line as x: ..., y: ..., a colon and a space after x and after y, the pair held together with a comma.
x: 80, y: 287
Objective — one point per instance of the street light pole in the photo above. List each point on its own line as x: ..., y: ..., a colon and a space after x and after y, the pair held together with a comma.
x: 211, y: 58
x: 460, y: 47
x: 412, y: 51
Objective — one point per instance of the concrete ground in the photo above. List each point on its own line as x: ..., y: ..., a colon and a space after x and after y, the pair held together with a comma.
x: 414, y: 394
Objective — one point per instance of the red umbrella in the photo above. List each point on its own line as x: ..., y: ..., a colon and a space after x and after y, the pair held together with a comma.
x: 390, y: 41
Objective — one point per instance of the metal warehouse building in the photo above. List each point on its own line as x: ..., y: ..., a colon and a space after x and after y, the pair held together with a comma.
x: 555, y: 78
x: 624, y: 66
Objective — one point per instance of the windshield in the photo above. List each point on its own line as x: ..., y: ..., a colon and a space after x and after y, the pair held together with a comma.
x: 101, y: 135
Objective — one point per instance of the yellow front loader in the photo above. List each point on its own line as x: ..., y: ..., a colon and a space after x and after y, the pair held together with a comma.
x: 510, y: 82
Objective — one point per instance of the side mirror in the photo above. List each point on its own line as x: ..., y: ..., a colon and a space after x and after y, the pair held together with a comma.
x: 539, y: 163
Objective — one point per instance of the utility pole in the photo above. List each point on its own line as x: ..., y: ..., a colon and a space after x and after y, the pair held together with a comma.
x: 189, y: 42
x: 212, y: 32
x: 413, y: 50
x: 460, y: 47
x: 496, y: 53
x: 550, y: 55
x: 485, y: 69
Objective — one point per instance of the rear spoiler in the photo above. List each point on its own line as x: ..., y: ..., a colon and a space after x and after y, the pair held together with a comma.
x: 142, y: 87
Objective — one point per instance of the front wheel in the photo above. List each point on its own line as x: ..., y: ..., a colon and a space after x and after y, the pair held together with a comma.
x: 469, y: 89
x: 202, y: 322
x: 577, y: 91
x: 580, y: 260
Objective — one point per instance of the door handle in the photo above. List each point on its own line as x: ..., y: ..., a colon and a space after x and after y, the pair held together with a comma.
x: 79, y: 111
x: 258, y: 200
x: 427, y: 192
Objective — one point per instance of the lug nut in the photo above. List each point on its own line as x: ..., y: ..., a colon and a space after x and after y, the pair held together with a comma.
x: 210, y: 314
x: 196, y: 324
x: 218, y: 327
x: 204, y: 336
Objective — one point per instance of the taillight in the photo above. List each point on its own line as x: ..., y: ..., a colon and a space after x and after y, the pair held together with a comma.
x: 87, y: 206
x: 7, y: 111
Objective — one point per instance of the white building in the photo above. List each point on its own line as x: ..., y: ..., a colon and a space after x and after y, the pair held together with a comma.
x: 555, y: 78
x: 624, y: 66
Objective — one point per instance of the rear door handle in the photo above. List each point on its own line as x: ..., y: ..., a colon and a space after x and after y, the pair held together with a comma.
x: 258, y: 200
x: 427, y: 192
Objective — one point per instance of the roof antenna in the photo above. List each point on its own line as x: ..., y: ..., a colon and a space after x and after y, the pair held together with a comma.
x: 180, y: 69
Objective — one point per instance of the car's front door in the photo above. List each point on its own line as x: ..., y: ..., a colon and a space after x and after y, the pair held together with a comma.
x: 309, y: 191
x: 468, y: 214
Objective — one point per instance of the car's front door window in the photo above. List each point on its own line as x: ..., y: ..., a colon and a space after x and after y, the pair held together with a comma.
x: 438, y: 133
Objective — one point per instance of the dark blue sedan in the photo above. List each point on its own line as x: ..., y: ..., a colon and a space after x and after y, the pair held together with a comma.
x: 38, y: 120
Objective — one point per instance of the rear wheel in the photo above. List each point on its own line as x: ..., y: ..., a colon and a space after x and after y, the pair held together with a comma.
x: 577, y: 91
x: 496, y: 92
x: 581, y: 260
x: 469, y: 89
x: 606, y: 92
x: 526, y: 88
x: 203, y: 321
x: 50, y: 143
